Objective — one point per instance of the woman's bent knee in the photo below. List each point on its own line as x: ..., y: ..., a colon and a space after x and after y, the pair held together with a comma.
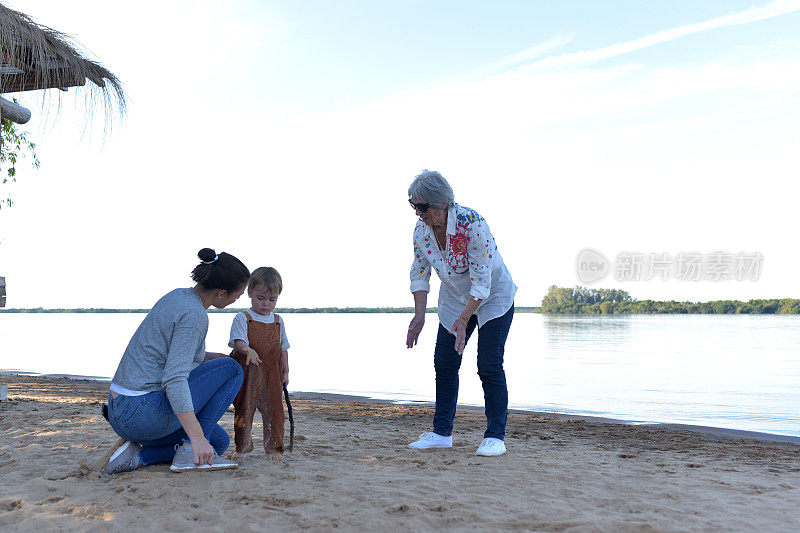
x: 226, y: 364
x: 236, y: 369
x: 226, y: 368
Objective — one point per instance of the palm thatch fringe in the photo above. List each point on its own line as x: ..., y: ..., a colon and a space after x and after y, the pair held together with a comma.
x: 33, y: 56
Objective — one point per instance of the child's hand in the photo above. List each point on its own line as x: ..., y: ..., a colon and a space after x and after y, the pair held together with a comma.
x: 286, y: 379
x: 252, y: 356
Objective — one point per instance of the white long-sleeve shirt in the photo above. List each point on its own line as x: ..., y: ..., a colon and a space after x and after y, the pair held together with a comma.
x: 470, y: 267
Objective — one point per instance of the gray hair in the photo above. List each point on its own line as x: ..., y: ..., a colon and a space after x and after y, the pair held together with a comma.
x: 432, y: 188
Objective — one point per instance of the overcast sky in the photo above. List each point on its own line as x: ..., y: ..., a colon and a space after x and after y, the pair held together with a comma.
x: 287, y: 133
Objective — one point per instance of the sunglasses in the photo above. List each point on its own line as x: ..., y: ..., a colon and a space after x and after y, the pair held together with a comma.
x: 423, y: 208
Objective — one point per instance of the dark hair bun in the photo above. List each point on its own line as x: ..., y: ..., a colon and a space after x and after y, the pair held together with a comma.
x: 221, y: 271
x: 206, y: 254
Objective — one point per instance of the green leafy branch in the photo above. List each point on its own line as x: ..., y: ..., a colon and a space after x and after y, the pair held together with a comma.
x: 14, y: 145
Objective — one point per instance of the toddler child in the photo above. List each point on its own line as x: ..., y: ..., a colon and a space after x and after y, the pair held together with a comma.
x: 258, y: 338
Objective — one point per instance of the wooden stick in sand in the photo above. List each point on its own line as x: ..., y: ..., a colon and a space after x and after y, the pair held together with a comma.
x: 291, y: 418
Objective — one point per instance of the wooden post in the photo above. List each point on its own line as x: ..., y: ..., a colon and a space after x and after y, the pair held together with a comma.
x: 14, y: 112
x: 2, y: 279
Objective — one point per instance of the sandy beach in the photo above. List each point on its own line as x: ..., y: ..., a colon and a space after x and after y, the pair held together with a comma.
x: 351, y: 470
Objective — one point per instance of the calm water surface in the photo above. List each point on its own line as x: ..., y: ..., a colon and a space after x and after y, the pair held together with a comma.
x: 740, y: 372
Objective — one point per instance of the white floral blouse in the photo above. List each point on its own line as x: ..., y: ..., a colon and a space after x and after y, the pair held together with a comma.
x: 471, y: 266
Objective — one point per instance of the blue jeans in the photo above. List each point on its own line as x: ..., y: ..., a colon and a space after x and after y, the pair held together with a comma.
x: 150, y: 420
x: 491, y: 348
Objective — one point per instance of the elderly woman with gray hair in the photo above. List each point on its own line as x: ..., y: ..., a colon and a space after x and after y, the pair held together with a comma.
x: 476, y: 291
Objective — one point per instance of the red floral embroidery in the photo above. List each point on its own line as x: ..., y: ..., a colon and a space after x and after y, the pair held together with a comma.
x: 457, y: 256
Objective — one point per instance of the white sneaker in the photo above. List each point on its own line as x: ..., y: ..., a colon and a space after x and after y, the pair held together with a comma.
x: 124, y: 459
x: 184, y: 460
x: 432, y: 440
x: 491, y: 446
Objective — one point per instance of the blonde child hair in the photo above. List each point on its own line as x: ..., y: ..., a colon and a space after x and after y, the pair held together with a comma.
x: 268, y: 277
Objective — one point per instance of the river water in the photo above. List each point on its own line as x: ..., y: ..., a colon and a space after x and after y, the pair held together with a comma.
x: 731, y: 371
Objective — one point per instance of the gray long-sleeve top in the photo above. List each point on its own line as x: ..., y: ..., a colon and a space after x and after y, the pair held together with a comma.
x: 170, y: 343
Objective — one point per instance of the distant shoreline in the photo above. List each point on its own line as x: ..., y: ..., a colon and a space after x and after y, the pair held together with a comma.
x: 577, y: 301
x: 587, y: 301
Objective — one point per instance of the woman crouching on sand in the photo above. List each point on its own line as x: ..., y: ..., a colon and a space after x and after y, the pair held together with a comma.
x: 476, y: 291
x: 163, y: 401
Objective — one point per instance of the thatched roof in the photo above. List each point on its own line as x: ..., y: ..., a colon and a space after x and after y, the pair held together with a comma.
x: 34, y: 57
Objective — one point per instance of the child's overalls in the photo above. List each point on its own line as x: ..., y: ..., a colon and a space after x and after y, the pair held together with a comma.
x: 262, y: 388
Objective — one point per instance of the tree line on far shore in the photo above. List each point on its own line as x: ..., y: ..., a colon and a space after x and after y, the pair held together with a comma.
x: 557, y: 301
x: 586, y: 301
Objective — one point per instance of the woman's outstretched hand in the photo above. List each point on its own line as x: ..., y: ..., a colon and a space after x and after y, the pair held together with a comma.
x: 414, y: 330
x: 460, y: 331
